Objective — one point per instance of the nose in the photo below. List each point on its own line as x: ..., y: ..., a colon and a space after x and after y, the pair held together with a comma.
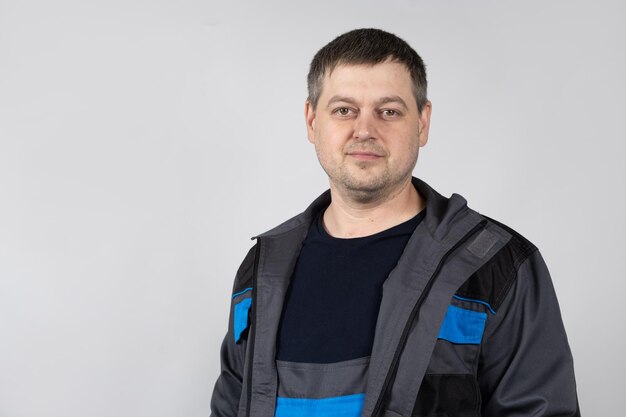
x: 364, y: 127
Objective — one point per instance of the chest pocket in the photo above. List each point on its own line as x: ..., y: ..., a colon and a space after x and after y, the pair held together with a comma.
x: 242, y: 301
x: 449, y: 387
x: 463, y: 326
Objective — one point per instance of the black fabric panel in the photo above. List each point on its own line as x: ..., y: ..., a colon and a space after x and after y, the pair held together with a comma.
x: 244, y: 276
x: 491, y: 282
x: 447, y: 395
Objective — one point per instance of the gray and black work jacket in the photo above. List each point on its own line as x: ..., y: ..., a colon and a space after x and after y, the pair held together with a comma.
x: 469, y: 323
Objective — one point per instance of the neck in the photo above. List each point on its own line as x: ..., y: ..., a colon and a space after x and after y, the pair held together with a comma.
x: 348, y: 218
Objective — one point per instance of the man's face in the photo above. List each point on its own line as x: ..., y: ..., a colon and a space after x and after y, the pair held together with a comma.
x: 366, y: 129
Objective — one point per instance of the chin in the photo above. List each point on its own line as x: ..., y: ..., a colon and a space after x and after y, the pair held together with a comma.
x: 369, y: 187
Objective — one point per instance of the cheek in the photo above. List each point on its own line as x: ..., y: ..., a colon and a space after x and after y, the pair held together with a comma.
x: 325, y: 151
x: 405, y: 150
x: 330, y: 139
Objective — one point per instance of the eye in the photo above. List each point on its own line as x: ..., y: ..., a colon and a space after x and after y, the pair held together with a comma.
x: 389, y: 113
x: 342, y: 111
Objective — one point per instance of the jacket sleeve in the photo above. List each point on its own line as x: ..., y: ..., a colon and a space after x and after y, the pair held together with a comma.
x: 526, y: 367
x: 228, y: 387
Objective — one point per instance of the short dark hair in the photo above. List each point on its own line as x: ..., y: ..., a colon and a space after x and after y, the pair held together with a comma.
x: 366, y: 46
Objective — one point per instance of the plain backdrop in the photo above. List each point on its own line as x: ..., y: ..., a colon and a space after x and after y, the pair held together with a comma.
x: 142, y: 144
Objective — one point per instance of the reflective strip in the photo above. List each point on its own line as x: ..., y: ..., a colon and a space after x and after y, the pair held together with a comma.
x: 343, y: 406
x: 241, y: 317
x: 463, y: 326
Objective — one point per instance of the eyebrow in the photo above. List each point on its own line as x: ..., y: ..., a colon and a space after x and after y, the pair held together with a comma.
x: 382, y: 100
x: 337, y: 99
x: 393, y: 99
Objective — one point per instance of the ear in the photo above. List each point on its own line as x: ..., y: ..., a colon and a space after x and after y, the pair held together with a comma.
x: 424, y: 118
x: 309, y: 116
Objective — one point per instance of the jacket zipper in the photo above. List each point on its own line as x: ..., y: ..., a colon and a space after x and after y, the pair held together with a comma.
x: 414, y: 315
x: 252, y: 333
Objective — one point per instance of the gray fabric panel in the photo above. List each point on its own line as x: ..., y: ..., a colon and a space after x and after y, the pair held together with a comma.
x: 401, y: 291
x: 457, y: 269
x: 450, y: 358
x: 240, y: 297
x: 321, y: 380
x: 277, y: 260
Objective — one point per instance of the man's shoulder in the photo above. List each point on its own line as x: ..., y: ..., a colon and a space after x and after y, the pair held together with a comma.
x: 494, y: 279
x: 518, y: 244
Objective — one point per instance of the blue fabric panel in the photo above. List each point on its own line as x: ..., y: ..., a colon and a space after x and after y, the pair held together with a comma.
x: 241, y: 317
x: 343, y: 406
x: 463, y: 326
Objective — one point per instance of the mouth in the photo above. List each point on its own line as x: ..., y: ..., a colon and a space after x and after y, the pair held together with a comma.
x: 364, y: 155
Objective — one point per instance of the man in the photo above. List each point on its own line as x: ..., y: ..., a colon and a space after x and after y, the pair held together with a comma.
x: 385, y: 298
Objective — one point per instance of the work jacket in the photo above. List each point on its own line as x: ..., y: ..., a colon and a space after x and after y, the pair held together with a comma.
x: 468, y: 325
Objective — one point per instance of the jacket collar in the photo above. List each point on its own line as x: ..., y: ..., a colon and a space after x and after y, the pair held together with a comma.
x: 439, y: 217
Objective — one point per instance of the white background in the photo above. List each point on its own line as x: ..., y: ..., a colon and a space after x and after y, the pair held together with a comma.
x: 142, y: 144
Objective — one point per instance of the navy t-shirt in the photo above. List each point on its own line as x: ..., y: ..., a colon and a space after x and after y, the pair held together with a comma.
x: 335, y: 292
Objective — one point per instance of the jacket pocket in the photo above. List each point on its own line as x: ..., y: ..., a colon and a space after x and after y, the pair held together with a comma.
x: 242, y: 301
x: 463, y: 326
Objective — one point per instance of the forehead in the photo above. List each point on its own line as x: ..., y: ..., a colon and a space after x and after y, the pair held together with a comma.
x: 381, y: 79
